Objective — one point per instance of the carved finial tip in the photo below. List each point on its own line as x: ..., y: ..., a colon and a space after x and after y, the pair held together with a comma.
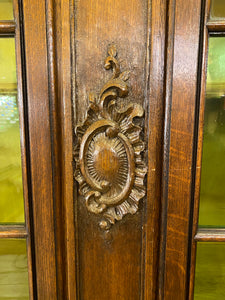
x: 112, y: 51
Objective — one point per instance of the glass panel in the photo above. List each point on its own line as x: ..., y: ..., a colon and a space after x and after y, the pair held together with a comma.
x: 13, y: 270
x: 210, y: 272
x: 11, y: 190
x: 217, y: 9
x: 6, y: 10
x: 212, y: 192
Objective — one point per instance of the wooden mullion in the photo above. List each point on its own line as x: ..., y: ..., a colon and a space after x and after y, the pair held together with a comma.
x: 7, y: 27
x: 198, y: 151
x: 178, y: 174
x: 24, y: 141
x: 13, y: 231
x: 210, y: 235
x: 216, y: 26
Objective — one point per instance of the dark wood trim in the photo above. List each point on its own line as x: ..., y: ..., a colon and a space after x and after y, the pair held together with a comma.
x: 12, y: 231
x: 25, y: 146
x: 210, y: 235
x: 40, y: 147
x: 216, y: 26
x: 155, y: 61
x: 198, y: 151
x: 7, y: 28
x: 51, y: 38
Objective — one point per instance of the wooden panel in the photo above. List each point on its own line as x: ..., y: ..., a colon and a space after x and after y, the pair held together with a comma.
x: 183, y: 96
x: 40, y: 146
x: 111, y: 263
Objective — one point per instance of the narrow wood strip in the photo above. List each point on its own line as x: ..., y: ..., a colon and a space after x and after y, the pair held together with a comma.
x: 180, y: 152
x: 210, y: 235
x: 198, y: 152
x: 40, y: 147
x: 7, y: 27
x: 64, y: 37
x: 153, y: 130
x: 170, y: 26
x: 55, y: 141
x: 12, y: 232
x: 24, y: 141
x: 216, y: 26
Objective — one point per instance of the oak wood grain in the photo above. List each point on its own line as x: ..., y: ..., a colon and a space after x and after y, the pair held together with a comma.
x: 199, y: 141
x: 109, y: 262
x: 40, y: 147
x: 183, y: 97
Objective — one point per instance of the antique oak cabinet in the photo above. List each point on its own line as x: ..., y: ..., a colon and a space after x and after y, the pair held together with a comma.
x: 111, y: 100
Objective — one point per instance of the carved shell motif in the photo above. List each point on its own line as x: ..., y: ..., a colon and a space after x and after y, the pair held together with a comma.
x: 109, y: 166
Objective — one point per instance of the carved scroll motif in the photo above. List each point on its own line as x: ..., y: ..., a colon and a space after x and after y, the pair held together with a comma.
x: 109, y: 166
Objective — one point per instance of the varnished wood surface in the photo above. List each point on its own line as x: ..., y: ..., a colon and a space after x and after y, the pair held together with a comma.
x: 158, y: 42
x: 200, y: 109
x: 40, y: 147
x: 7, y: 27
x: 109, y: 263
x: 210, y: 235
x: 64, y: 25
x: 13, y: 232
x: 183, y: 99
x: 155, y: 64
x: 216, y: 26
x: 24, y: 141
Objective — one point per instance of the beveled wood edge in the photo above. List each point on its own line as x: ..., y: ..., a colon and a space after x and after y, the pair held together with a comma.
x: 13, y: 231
x: 210, y: 235
x: 37, y: 92
x: 198, y: 150
x: 25, y: 148
x: 7, y: 27
x: 169, y: 62
x: 216, y: 26
x: 64, y: 15
x: 154, y: 86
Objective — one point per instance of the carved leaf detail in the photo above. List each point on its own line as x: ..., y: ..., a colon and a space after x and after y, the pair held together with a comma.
x: 124, y: 75
x: 112, y: 51
x: 109, y: 165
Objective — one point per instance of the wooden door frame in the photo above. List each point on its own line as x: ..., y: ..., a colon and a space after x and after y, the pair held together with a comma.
x: 48, y: 40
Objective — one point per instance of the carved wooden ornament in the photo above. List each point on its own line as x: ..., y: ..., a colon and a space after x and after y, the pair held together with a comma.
x: 109, y: 166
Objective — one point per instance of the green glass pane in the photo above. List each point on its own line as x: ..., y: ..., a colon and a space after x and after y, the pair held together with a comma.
x: 6, y: 10
x: 210, y: 272
x: 13, y: 270
x: 212, y: 191
x: 217, y: 9
x: 11, y: 189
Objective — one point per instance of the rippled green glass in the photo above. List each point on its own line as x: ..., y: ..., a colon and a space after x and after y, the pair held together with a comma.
x: 13, y: 270
x: 212, y: 189
x: 210, y: 271
x: 11, y: 189
x: 217, y: 9
x: 6, y: 10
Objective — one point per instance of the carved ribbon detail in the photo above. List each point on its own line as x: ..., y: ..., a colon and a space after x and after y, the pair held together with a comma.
x: 109, y: 166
